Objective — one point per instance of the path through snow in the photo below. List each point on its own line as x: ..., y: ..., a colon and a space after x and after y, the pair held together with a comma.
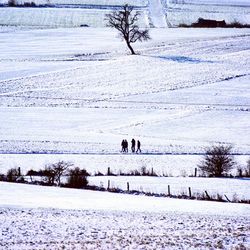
x: 157, y: 14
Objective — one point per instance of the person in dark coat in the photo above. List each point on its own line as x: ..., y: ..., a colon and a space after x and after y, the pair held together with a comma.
x: 126, y: 145
x: 123, y: 145
x: 138, y: 147
x: 133, y: 145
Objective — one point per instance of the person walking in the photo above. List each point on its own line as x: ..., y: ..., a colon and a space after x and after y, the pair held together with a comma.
x: 126, y: 146
x: 138, y: 147
x: 133, y: 145
x: 123, y: 145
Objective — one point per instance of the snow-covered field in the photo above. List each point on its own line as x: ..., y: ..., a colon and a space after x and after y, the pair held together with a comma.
x: 77, y: 99
x: 58, y: 17
x: 74, y: 94
x: 77, y: 96
x: 238, y: 189
x: 35, y: 217
x: 187, y: 12
x: 164, y: 165
x: 81, y: 229
x: 85, y: 2
x: 155, y: 13
x: 68, y: 13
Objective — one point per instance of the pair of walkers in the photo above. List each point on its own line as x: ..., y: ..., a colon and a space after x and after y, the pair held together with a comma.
x: 124, y: 145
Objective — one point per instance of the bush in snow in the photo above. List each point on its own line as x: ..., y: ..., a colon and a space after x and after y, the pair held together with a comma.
x: 12, y: 3
x: 217, y: 161
x: 54, y: 172
x: 29, y: 4
x: 49, y: 175
x: 247, y: 170
x: 2, y: 177
x: 15, y: 3
x: 143, y: 171
x: 77, y: 178
x: 14, y: 174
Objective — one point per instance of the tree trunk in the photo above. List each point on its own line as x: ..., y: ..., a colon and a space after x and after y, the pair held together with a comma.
x: 130, y: 48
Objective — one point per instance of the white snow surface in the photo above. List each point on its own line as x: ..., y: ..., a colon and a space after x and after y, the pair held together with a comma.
x: 32, y: 196
x: 85, y: 2
x: 82, y: 96
x: 188, y: 12
x: 76, y: 93
x: 232, y: 188
x: 155, y: 13
x: 35, y: 217
x: 207, y: 2
x: 81, y: 229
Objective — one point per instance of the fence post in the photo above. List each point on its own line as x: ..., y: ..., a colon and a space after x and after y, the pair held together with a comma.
x: 227, y: 198
x: 207, y: 195
x: 19, y: 171
x: 169, y: 194
x: 108, y: 184
x: 195, y: 172
x: 189, y: 190
x: 128, y: 186
x: 108, y: 171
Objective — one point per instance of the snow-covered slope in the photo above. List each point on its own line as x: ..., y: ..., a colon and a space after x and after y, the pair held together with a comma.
x: 83, y: 2
x: 68, y: 13
x: 76, y: 93
x: 155, y: 13
x: 151, y: 96
x: 35, y: 217
x: 187, y: 12
x: 211, y: 2
x: 22, y: 195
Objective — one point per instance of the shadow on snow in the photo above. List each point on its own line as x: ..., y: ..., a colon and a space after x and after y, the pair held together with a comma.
x: 182, y: 59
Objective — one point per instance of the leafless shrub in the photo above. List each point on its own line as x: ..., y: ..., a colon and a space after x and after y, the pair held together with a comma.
x: 77, y: 178
x: 13, y: 174
x: 54, y: 172
x: 12, y: 3
x: 217, y: 161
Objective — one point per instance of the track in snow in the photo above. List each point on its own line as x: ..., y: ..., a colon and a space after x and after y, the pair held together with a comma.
x: 157, y: 14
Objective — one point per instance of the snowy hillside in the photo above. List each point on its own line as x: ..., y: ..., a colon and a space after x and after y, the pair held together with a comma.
x: 68, y: 13
x: 110, y: 96
x: 46, y: 217
x: 24, y: 196
x: 155, y: 13
x: 84, y: 2
x: 187, y: 12
x: 74, y: 93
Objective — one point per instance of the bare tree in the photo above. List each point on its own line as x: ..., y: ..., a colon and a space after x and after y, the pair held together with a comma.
x: 49, y: 175
x: 59, y: 169
x: 217, y: 161
x: 126, y: 22
x: 54, y: 172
